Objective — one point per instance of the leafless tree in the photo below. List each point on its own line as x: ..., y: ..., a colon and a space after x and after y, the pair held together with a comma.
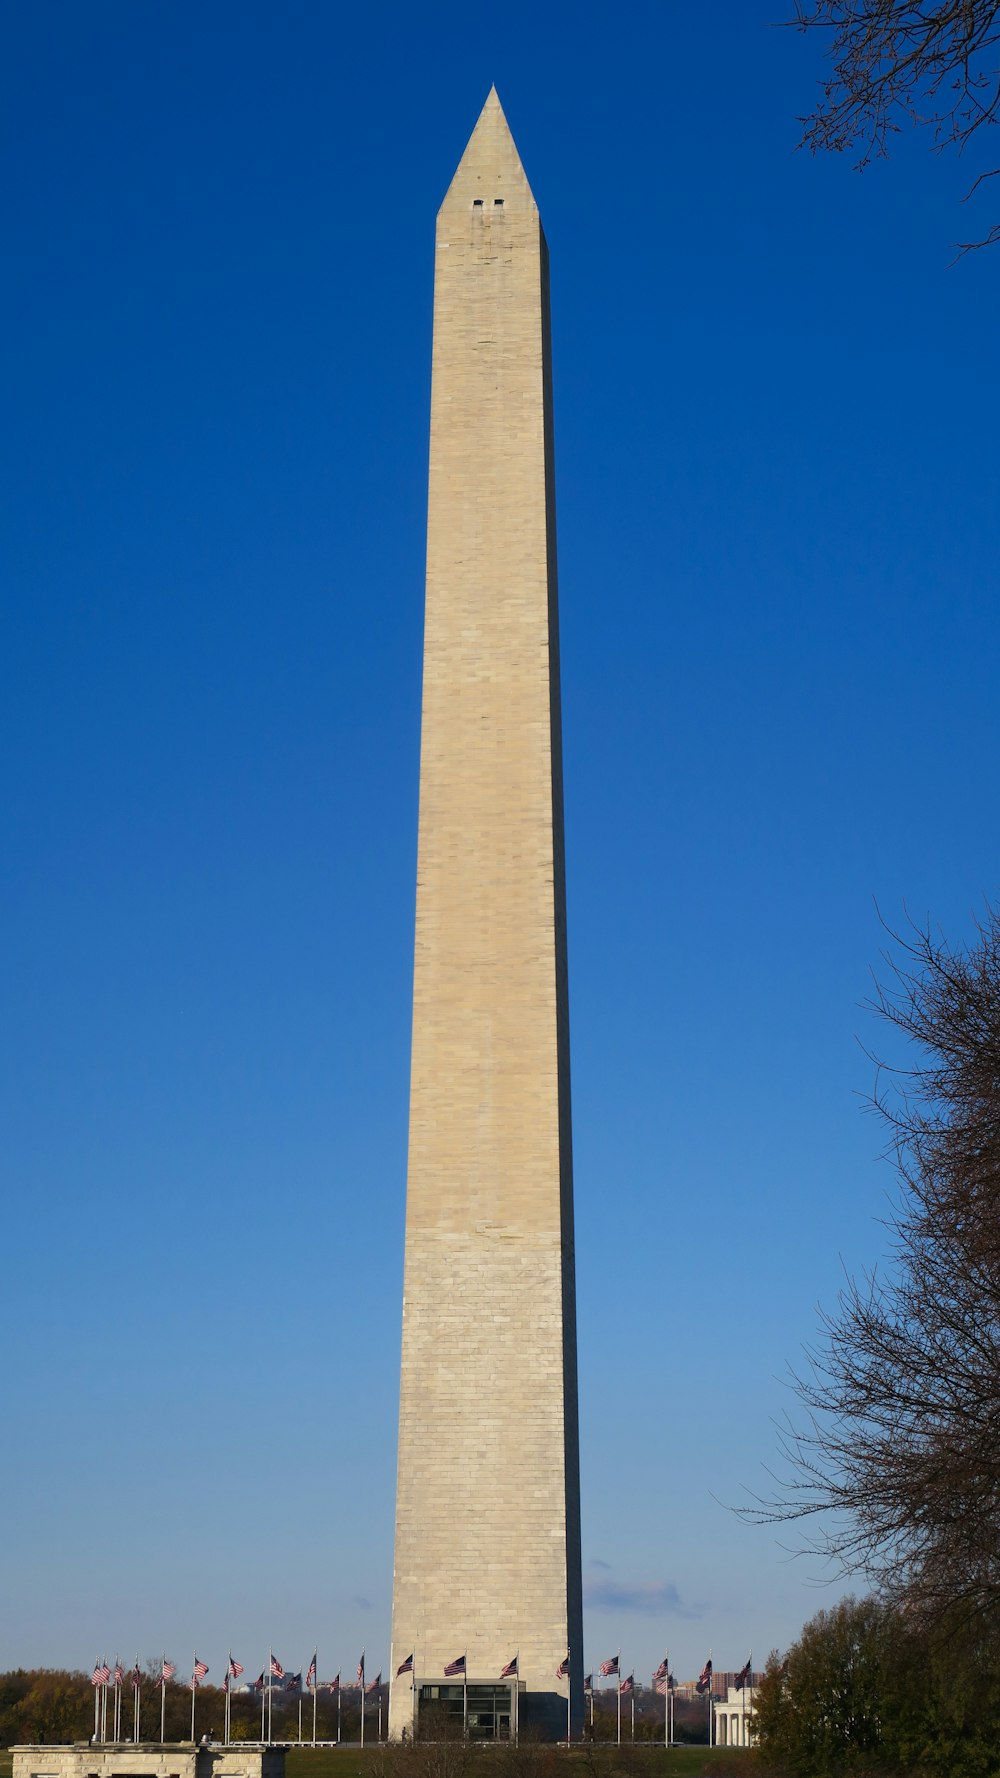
x: 899, y: 1448
x: 897, y: 63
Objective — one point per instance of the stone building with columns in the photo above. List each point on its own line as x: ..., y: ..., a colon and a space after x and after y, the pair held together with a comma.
x: 733, y: 1717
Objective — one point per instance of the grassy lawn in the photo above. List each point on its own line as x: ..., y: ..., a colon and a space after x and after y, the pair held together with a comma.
x: 644, y: 1762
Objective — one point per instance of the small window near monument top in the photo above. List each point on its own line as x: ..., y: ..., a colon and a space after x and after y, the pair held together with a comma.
x: 477, y: 203
x: 498, y: 203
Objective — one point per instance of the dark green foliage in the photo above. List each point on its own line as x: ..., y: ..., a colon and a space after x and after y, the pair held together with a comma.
x: 868, y: 1688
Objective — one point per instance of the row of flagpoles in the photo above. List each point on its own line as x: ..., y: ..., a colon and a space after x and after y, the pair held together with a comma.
x: 105, y: 1679
x: 114, y: 1680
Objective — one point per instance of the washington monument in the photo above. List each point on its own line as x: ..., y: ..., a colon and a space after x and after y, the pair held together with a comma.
x: 487, y: 1565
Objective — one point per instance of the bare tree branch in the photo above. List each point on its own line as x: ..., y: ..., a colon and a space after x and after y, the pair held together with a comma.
x: 899, y: 1448
x: 905, y: 63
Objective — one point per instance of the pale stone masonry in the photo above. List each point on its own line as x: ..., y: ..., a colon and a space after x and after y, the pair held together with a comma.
x: 488, y: 1517
x: 147, y: 1759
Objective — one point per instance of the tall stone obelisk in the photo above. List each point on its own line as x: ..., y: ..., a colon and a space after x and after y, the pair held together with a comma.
x: 488, y: 1504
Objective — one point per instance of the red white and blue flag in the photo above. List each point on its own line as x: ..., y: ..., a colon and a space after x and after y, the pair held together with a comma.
x: 167, y: 1673
x: 510, y: 1671
x: 745, y: 1676
x: 454, y: 1667
x: 407, y: 1667
x: 588, y: 1684
x: 361, y: 1670
x: 277, y: 1670
x: 627, y: 1685
x: 562, y: 1671
x: 119, y: 1673
x: 705, y: 1679
x: 661, y: 1671
x: 311, y: 1675
x: 235, y: 1667
x: 136, y: 1675
x: 374, y: 1684
x: 294, y: 1682
x: 200, y: 1668
x: 334, y: 1685
x: 100, y: 1675
x: 609, y: 1667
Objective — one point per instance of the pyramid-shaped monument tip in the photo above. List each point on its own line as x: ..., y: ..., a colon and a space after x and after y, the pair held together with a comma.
x: 490, y: 170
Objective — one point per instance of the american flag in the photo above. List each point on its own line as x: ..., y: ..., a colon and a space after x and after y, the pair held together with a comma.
x: 361, y: 1670
x: 225, y: 1683
x: 277, y: 1670
x: 705, y: 1678
x: 510, y: 1671
x: 294, y: 1682
x: 167, y: 1672
x: 311, y: 1675
x: 334, y: 1685
x: 258, y: 1684
x: 136, y: 1675
x: 200, y: 1668
x: 375, y: 1683
x: 454, y: 1667
x: 235, y: 1667
x: 100, y: 1675
x: 744, y: 1676
x: 407, y: 1667
x: 661, y: 1671
x: 562, y: 1671
x: 119, y: 1673
x: 627, y: 1685
x: 609, y: 1667
x: 588, y: 1684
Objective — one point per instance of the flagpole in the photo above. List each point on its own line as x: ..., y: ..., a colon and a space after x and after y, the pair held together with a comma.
x: 163, y: 1700
x: 270, y: 1686
x: 632, y: 1701
x: 338, y: 1709
x: 465, y: 1694
x: 315, y: 1690
x: 97, y: 1708
x: 263, y: 1696
x: 135, y: 1701
x: 619, y: 1697
x: 194, y: 1691
x: 711, y: 1706
x: 362, y: 1697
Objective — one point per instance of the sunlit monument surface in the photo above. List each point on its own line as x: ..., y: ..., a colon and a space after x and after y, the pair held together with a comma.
x: 487, y: 1562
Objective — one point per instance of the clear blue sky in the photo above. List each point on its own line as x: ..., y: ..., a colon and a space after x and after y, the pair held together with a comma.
x: 776, y: 459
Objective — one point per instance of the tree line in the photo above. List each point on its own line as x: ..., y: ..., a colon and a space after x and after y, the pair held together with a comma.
x: 55, y: 1705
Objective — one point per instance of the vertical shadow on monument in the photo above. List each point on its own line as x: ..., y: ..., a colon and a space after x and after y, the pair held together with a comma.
x: 541, y: 1716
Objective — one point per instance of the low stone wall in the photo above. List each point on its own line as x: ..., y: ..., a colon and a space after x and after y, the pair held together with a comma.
x: 149, y: 1759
